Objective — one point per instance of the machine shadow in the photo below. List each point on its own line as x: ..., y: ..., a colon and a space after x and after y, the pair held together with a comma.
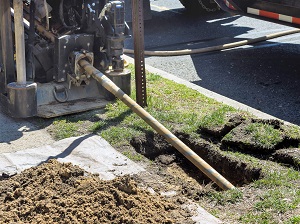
x: 14, y: 128
x: 68, y: 150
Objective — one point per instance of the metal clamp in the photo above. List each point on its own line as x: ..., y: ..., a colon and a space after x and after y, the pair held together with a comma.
x: 75, y: 57
x: 61, y: 90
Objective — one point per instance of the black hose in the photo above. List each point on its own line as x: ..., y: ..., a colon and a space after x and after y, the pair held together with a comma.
x: 215, y: 48
x: 61, y: 15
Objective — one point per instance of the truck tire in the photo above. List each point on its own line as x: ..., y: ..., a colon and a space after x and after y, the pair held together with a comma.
x: 200, y: 5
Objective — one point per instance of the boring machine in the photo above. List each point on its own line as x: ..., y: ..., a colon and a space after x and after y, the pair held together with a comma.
x: 42, y: 42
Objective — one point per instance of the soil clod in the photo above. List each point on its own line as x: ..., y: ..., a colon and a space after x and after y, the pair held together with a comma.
x: 231, y: 121
x: 289, y: 156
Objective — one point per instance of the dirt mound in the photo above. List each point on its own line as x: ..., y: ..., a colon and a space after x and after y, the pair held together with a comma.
x: 63, y: 193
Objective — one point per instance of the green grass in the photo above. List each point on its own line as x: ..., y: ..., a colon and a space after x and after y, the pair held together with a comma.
x: 216, y: 118
x: 264, y: 134
x: 276, y: 176
x: 258, y: 218
x: 182, y: 109
x: 276, y: 200
x: 292, y: 131
x: 174, y: 105
x: 133, y: 156
x: 97, y: 126
x: 65, y: 128
x: 223, y: 198
x: 293, y: 220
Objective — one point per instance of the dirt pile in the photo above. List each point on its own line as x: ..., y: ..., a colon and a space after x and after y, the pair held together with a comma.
x: 63, y: 193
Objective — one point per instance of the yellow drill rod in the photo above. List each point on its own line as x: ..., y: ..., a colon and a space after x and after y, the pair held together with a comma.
x: 172, y: 139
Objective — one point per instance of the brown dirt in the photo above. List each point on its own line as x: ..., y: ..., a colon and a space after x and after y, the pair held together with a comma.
x: 170, y: 171
x: 63, y: 193
x: 182, y: 176
x: 154, y: 147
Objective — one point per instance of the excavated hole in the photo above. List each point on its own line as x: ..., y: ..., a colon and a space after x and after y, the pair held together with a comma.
x: 156, y: 148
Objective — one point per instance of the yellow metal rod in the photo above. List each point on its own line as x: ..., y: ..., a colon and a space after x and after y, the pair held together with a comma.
x: 172, y: 139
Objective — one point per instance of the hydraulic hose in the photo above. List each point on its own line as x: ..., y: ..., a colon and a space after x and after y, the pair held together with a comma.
x: 42, y: 30
x: 216, y: 48
x: 171, y: 138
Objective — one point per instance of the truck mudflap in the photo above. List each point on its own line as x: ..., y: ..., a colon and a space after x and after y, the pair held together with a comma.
x: 278, y: 11
x: 273, y: 15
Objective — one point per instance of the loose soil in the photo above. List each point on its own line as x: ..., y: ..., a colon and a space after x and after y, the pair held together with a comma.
x: 63, y: 193
x: 183, y: 177
x: 174, y: 174
x: 156, y: 148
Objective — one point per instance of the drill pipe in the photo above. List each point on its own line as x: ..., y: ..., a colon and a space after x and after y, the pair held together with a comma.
x: 171, y: 138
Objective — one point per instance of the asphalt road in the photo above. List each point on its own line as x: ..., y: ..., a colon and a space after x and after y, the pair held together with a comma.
x: 265, y: 76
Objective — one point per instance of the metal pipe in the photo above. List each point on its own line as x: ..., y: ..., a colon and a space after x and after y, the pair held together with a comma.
x: 20, y: 43
x: 172, y: 139
x: 26, y: 23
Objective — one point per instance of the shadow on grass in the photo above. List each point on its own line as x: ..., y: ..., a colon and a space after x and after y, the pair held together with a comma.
x: 113, y: 121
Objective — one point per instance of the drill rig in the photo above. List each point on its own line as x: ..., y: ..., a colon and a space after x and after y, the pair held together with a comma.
x: 42, y: 42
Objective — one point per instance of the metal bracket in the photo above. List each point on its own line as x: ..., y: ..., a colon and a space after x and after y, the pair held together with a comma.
x: 78, y: 76
x: 60, y: 90
x: 139, y: 58
x: 64, y: 46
